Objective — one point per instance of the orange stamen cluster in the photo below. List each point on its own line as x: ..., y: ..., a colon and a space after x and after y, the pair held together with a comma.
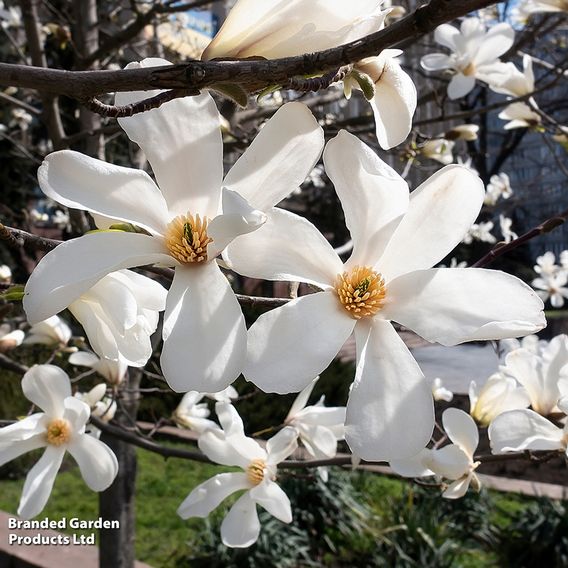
x: 187, y: 239
x: 361, y: 291
x: 58, y: 432
x: 255, y: 471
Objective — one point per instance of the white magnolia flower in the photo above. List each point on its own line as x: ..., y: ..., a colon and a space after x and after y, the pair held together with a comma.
x: 101, y: 406
x: 191, y: 413
x: 397, y: 237
x: 453, y: 462
x: 474, y: 51
x: 231, y: 447
x: 277, y: 28
x: 283, y: 28
x: 438, y: 149
x: 480, y: 232
x: 119, y: 314
x: 318, y: 426
x: 440, y: 392
x: 52, y: 331
x: 546, y: 264
x: 59, y: 428
x: 5, y: 273
x: 499, y: 394
x: 552, y: 287
x: 113, y: 370
x: 10, y: 339
x: 505, y: 224
x: 532, y: 6
x: 564, y: 259
x: 467, y: 132
x: 520, y: 430
x: 531, y: 342
x: 204, y: 329
x: 394, y: 101
x: 519, y: 115
x: 540, y: 373
x: 499, y: 186
x: 506, y: 79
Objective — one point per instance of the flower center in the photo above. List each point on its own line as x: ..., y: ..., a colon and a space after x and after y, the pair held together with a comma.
x: 187, y: 239
x: 58, y: 432
x: 255, y: 471
x: 361, y: 291
x: 469, y: 70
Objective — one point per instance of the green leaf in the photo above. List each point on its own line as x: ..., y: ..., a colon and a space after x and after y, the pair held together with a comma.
x: 268, y: 91
x: 13, y: 294
x: 365, y: 82
x: 232, y: 91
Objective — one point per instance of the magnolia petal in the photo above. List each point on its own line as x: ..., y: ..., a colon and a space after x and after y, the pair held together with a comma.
x: 301, y: 400
x: 47, y: 386
x: 279, y: 158
x: 81, y: 182
x: 238, y: 218
x: 453, y: 305
x: 39, y: 482
x: 23, y: 429
x: 215, y: 445
x: 450, y: 462
x: 76, y: 412
x: 518, y: 430
x: 458, y: 488
x: 281, y: 445
x: 390, y: 412
x: 75, y: 266
x: 289, y: 345
x: 461, y: 430
x: 96, y: 460
x: 83, y: 359
x: 286, y: 247
x: 20, y: 442
x: 446, y: 35
x: 373, y: 196
x: 498, y: 40
x: 460, y: 85
x: 320, y: 441
x: 270, y: 496
x: 204, y: 331
x: 413, y: 466
x: 393, y: 105
x: 241, y: 527
x: 441, y: 211
x: 280, y: 29
x: 182, y: 141
x: 209, y: 495
x: 436, y: 61
x: 149, y: 294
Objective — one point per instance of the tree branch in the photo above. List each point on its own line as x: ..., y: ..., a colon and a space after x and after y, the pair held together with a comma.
x: 251, y: 74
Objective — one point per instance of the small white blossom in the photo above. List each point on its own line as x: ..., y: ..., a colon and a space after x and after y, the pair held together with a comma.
x: 230, y: 446
x: 467, y: 132
x: 506, y: 79
x: 546, y: 264
x: 319, y: 427
x: 474, y: 51
x: 10, y: 339
x: 505, y: 224
x: 5, y: 273
x: 53, y: 332
x: 438, y: 149
x: 440, y: 392
x: 192, y: 414
x: 519, y: 115
x: 59, y: 428
x: 552, y: 287
x: 499, y: 186
x: 112, y: 370
x: 499, y: 394
x: 480, y: 232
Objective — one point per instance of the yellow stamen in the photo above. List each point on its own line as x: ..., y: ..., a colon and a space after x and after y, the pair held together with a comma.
x: 187, y: 239
x: 58, y: 432
x: 255, y: 471
x: 361, y: 291
x: 469, y: 70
